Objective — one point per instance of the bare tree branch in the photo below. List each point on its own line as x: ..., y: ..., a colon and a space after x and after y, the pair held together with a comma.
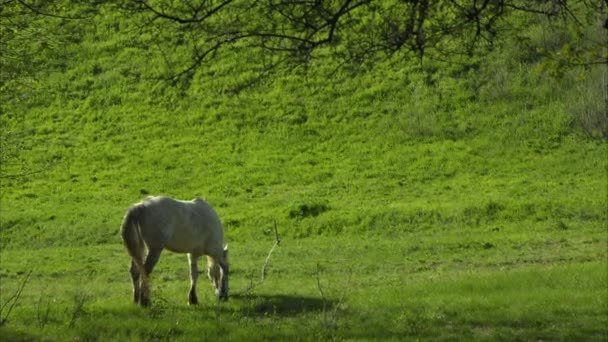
x: 47, y: 14
x: 353, y: 30
x: 194, y: 19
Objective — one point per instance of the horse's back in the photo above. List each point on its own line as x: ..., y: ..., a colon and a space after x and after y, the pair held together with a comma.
x: 183, y: 226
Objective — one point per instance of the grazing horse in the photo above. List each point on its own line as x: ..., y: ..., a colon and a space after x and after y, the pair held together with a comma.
x: 192, y: 227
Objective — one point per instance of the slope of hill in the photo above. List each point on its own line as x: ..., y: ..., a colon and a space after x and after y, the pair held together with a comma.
x: 387, y: 149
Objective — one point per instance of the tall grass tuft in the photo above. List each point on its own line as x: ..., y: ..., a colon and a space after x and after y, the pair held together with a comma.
x: 588, y: 103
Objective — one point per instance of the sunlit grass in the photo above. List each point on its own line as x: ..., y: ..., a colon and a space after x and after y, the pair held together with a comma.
x: 316, y: 288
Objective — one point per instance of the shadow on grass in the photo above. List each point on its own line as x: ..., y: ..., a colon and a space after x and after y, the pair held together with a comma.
x: 10, y: 334
x: 282, y: 305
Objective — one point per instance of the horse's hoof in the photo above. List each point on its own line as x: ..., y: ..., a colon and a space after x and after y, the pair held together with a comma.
x: 192, y: 298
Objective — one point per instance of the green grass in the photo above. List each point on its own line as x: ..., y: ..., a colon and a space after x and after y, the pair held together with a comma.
x: 322, y: 288
x: 422, y: 203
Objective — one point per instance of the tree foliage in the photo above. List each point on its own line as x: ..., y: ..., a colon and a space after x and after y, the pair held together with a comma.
x: 358, y: 30
x: 351, y: 31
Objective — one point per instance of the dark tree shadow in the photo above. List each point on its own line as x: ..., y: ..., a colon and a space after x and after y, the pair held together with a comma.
x: 283, y: 305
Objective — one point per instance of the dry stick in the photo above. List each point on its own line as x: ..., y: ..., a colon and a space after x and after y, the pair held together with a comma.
x: 333, y: 315
x: 320, y: 289
x: 276, y: 243
x: 253, y: 285
x: 318, y: 275
x: 14, y: 298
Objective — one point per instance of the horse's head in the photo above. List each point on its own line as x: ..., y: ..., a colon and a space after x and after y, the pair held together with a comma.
x: 217, y: 272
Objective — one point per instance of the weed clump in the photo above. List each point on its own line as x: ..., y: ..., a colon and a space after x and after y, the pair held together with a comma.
x: 308, y: 210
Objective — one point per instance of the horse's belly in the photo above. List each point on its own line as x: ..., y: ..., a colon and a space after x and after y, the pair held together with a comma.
x: 181, y: 245
x: 187, y: 240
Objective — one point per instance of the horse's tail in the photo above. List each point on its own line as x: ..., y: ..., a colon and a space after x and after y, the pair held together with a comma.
x: 132, y: 238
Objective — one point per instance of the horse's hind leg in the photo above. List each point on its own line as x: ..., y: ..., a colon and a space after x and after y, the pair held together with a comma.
x: 135, y: 280
x: 151, y: 260
x: 193, y: 259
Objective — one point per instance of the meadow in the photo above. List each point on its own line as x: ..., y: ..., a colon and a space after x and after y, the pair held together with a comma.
x: 434, y: 201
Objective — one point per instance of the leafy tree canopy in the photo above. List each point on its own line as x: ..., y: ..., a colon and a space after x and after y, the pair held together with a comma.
x: 350, y: 31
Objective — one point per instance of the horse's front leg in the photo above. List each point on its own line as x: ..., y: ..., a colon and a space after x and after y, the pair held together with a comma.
x: 193, y: 260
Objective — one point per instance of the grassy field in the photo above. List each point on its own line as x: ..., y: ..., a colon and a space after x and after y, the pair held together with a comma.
x: 323, y: 288
x: 414, y: 202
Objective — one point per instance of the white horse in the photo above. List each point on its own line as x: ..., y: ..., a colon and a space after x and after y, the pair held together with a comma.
x: 192, y: 227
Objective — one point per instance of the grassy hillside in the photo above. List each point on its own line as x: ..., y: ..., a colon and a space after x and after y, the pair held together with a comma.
x: 433, y: 200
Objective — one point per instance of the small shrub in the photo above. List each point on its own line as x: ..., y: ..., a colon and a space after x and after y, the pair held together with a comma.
x: 308, y: 210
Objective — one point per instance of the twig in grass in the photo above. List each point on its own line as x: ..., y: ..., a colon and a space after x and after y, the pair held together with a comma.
x: 80, y: 299
x: 43, y: 314
x: 253, y: 284
x: 13, y: 299
x: 276, y: 243
x: 329, y: 318
x: 320, y: 289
